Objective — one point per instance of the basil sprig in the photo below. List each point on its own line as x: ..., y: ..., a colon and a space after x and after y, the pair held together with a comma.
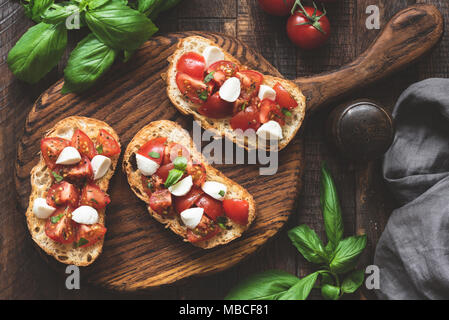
x: 336, y: 259
x: 114, y: 26
x: 174, y: 175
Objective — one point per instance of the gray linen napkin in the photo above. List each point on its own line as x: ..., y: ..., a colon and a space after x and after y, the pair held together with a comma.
x: 413, y: 251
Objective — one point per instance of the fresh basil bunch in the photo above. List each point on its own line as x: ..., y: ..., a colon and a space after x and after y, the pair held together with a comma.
x: 116, y: 26
x: 336, y: 259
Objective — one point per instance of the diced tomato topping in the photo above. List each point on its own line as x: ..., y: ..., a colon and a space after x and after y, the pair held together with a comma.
x: 163, y: 171
x: 93, y: 196
x: 161, y: 201
x: 106, y: 144
x: 251, y: 81
x: 270, y: 110
x: 193, y: 64
x: 216, y: 107
x: 236, y: 210
x: 205, y: 230
x: 51, y: 148
x: 88, y: 235
x: 246, y: 119
x: 192, y: 89
x: 212, y: 207
x: 83, y: 144
x: 198, y: 173
x: 173, y: 151
x: 63, y: 193
x: 187, y: 201
x: 60, y: 227
x: 284, y: 98
x: 154, y: 149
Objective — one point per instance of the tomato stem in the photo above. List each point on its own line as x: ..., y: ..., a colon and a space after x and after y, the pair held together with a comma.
x: 314, y: 20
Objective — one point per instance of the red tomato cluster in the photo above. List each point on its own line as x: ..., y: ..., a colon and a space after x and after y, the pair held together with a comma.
x: 307, y: 27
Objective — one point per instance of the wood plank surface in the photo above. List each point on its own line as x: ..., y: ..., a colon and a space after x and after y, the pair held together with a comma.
x: 365, y: 200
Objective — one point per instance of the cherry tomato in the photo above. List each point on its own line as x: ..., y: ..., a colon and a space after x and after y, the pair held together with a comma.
x: 246, y: 119
x: 107, y: 145
x: 51, y: 148
x: 236, y: 210
x: 63, y: 193
x: 251, y: 81
x: 163, y: 171
x: 161, y: 201
x: 187, y: 201
x: 308, y: 32
x: 270, y: 110
x: 215, y: 107
x: 83, y: 144
x: 198, y: 173
x: 277, y: 7
x: 212, y: 207
x: 173, y: 151
x: 223, y: 67
x: 60, y: 227
x: 93, y: 196
x: 192, y: 89
x: 205, y: 230
x: 284, y: 98
x: 90, y: 233
x: 192, y: 64
x: 154, y: 149
x: 77, y: 173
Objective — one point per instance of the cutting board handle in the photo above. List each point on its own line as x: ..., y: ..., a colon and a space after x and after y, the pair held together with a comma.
x: 408, y: 35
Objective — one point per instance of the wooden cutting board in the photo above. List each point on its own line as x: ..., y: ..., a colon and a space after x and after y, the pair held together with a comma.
x: 138, y: 253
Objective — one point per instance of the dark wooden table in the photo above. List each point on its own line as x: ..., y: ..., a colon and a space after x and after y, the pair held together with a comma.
x: 365, y: 201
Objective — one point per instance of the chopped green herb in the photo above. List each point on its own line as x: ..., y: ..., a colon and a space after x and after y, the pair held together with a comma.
x: 94, y: 201
x: 155, y: 155
x: 58, y: 178
x: 286, y: 112
x: 55, y: 219
x: 81, y: 242
x: 180, y: 163
x: 244, y: 106
x: 99, y: 149
x: 150, y: 185
x: 222, y: 193
x: 209, y: 77
x: 222, y: 223
x: 203, y: 95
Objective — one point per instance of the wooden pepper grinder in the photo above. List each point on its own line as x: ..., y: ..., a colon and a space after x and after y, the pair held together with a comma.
x: 361, y: 130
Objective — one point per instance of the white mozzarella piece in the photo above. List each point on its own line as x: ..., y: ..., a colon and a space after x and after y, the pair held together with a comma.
x: 230, y: 90
x: 215, y: 189
x: 41, y: 209
x: 212, y: 55
x: 270, y: 131
x: 100, y: 165
x: 192, y: 217
x: 69, y: 155
x: 85, y: 215
x: 146, y: 166
x: 182, y: 187
x: 266, y: 92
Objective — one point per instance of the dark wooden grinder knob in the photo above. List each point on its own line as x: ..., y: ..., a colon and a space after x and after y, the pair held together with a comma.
x: 361, y: 130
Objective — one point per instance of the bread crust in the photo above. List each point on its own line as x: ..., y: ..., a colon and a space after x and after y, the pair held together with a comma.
x: 41, y: 181
x: 222, y: 127
x: 175, y: 133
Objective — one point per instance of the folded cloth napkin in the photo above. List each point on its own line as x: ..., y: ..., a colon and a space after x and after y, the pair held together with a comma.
x: 413, y: 251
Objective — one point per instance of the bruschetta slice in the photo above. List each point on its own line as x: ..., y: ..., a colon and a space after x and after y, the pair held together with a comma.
x: 182, y: 191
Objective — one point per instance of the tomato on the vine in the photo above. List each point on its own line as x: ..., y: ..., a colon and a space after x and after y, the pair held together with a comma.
x: 308, y: 27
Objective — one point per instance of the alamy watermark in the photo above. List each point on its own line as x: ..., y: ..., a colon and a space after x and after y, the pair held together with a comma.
x: 373, y: 20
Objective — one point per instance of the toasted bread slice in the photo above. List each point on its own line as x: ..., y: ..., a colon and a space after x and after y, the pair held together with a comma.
x: 222, y: 127
x: 174, y: 133
x: 41, y: 181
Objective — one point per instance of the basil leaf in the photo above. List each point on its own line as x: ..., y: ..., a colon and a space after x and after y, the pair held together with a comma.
x: 301, y: 290
x: 59, y: 13
x: 209, y: 77
x: 127, y: 54
x: 55, y: 219
x: 87, y: 62
x: 308, y: 243
x: 180, y: 163
x: 154, y: 155
x: 330, y: 292
x: 81, y: 242
x: 326, y: 278
x: 330, y: 205
x: 37, y: 51
x: 147, y: 7
x: 347, y: 253
x: 353, y: 281
x: 93, y: 4
x: 99, y: 149
x: 34, y: 9
x: 119, y: 26
x: 268, y: 285
x: 58, y: 177
x: 174, y: 175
